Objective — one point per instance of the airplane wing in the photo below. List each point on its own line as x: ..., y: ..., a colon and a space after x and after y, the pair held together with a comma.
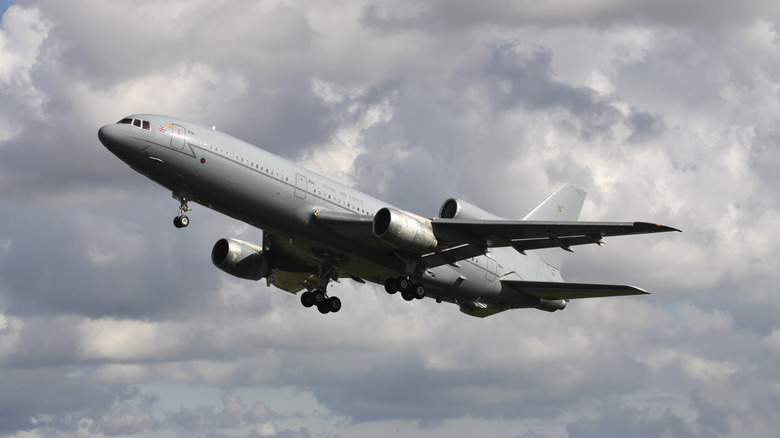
x: 527, y: 235
x: 461, y: 239
x: 570, y: 291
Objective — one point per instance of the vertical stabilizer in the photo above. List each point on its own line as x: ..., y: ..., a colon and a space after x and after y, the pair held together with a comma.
x: 562, y: 206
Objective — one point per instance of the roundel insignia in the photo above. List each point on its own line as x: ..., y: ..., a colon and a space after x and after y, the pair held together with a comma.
x: 202, y: 160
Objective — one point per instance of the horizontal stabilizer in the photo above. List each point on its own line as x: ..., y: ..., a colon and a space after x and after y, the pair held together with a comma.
x: 570, y: 291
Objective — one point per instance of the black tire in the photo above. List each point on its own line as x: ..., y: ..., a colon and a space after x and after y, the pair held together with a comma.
x: 323, y: 308
x: 407, y: 296
x: 390, y: 286
x: 318, y: 297
x: 334, y: 304
x: 184, y: 221
x: 418, y: 291
x: 307, y: 300
x: 177, y: 222
x: 404, y: 284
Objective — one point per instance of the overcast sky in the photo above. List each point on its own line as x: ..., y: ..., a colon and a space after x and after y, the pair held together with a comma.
x: 114, y: 323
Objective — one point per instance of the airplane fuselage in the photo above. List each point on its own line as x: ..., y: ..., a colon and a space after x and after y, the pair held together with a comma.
x: 257, y: 187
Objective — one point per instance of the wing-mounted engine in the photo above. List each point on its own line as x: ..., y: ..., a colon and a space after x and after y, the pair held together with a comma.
x: 551, y: 305
x: 240, y: 259
x: 404, y: 230
x: 457, y: 209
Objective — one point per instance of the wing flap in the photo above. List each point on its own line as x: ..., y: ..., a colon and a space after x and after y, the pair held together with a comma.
x: 571, y: 291
x: 450, y: 256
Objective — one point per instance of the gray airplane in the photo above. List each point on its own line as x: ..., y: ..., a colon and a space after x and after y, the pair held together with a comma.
x: 316, y: 231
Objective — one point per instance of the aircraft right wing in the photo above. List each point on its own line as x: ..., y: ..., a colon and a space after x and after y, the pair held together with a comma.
x: 570, y: 291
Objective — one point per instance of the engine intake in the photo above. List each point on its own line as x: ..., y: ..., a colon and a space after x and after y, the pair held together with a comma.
x: 458, y: 209
x: 404, y: 230
x: 240, y: 259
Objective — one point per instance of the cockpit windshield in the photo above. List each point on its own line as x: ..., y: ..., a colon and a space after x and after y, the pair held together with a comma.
x: 138, y: 123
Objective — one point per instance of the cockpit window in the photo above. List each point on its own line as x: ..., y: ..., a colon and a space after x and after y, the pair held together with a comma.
x: 138, y: 123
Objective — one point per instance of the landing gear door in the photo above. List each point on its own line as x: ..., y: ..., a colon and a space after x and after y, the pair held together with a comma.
x: 178, y: 135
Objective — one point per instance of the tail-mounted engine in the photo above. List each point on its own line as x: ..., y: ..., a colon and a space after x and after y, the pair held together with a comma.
x: 240, y: 259
x: 457, y: 209
x: 404, y: 230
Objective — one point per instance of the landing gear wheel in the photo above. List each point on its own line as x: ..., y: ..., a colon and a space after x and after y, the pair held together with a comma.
x: 403, y: 283
x: 333, y: 304
x: 181, y: 221
x: 390, y: 286
x: 407, y: 295
x: 307, y: 299
x: 318, y: 297
x: 418, y: 291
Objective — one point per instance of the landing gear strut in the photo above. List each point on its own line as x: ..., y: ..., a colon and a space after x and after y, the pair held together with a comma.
x: 181, y: 220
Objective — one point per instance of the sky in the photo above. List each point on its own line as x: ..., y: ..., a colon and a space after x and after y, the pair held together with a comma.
x: 115, y: 324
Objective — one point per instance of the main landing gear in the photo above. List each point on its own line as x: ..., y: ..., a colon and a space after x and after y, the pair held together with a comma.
x: 409, y: 291
x: 319, y: 297
x: 181, y: 220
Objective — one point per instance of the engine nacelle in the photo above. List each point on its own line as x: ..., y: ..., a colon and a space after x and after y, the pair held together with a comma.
x: 551, y: 305
x: 404, y: 230
x: 457, y: 209
x: 240, y: 259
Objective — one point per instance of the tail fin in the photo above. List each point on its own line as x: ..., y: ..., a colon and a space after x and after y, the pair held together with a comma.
x: 562, y: 206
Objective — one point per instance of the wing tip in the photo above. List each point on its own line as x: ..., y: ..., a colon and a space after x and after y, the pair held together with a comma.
x: 639, y: 290
x: 656, y: 228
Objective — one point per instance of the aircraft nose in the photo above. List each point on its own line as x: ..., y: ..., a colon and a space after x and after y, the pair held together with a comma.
x: 108, y: 136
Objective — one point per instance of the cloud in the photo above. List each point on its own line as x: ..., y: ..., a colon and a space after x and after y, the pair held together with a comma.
x: 113, y: 323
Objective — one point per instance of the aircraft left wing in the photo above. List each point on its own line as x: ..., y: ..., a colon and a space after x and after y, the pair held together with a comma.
x: 459, y: 239
x: 527, y: 235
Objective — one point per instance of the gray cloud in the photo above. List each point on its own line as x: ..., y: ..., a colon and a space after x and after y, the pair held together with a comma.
x: 113, y: 323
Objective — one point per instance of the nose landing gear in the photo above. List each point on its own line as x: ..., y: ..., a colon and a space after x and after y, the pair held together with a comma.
x: 181, y: 220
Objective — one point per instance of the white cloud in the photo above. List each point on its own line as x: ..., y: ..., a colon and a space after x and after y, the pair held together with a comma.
x: 22, y: 35
x: 661, y: 111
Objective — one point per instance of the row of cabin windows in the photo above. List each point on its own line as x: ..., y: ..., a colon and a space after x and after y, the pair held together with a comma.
x: 138, y: 123
x: 247, y: 162
x: 287, y: 179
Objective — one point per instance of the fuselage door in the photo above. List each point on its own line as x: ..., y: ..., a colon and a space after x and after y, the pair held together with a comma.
x: 301, y: 185
x: 492, y: 270
x: 178, y: 135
